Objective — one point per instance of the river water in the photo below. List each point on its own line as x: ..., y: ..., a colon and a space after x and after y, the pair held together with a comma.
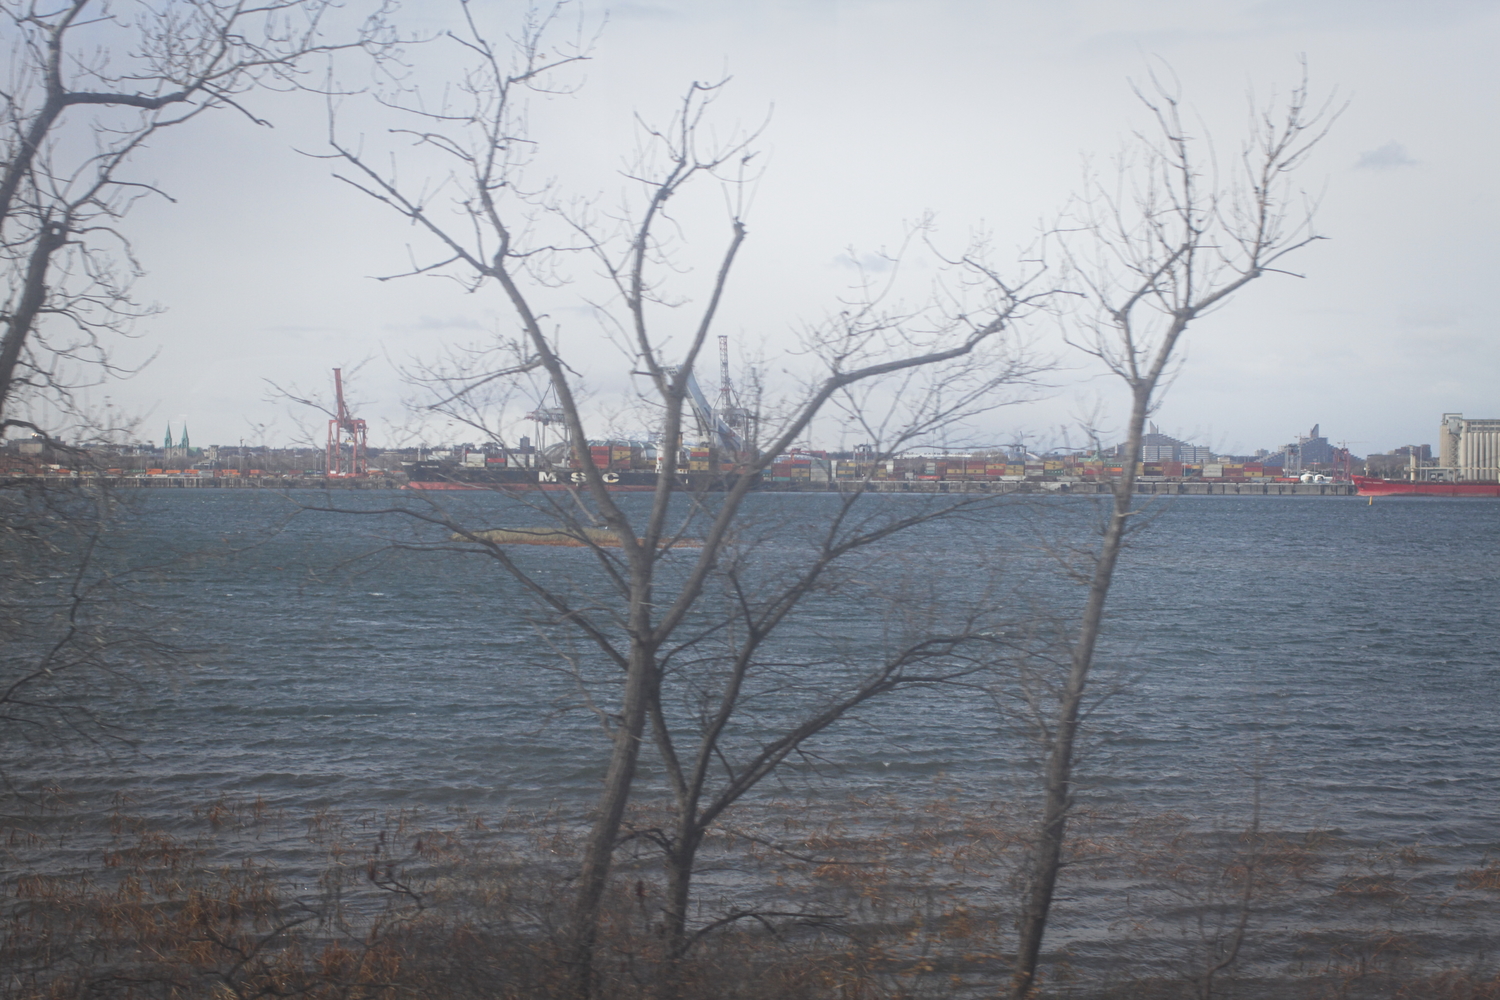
x: 1343, y: 655
x: 1350, y: 650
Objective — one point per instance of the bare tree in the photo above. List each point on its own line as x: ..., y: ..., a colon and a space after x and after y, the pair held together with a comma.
x: 734, y: 671
x: 931, y: 363
x: 1170, y: 241
x: 90, y: 85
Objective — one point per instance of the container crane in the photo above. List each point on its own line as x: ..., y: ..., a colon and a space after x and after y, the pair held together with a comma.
x: 346, y: 431
x: 728, y: 405
x: 710, y: 421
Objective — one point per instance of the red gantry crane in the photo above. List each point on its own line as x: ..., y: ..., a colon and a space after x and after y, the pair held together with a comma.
x: 346, y: 438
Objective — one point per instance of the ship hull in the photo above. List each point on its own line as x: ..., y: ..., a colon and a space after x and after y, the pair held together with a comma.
x: 433, y: 477
x: 1395, y: 487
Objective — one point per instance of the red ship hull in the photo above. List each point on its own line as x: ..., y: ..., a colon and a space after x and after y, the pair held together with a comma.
x: 1396, y: 487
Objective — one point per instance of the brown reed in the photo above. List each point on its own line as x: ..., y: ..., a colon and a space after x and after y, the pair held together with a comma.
x: 874, y: 899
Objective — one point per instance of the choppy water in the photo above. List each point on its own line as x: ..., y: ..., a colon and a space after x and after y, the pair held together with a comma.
x: 1348, y: 652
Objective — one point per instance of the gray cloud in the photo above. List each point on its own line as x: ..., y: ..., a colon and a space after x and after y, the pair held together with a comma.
x: 871, y: 263
x: 1426, y: 316
x: 1346, y: 15
x: 426, y: 323
x: 1387, y: 157
x: 645, y: 12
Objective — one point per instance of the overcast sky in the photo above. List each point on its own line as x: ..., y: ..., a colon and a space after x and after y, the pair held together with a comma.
x: 881, y: 111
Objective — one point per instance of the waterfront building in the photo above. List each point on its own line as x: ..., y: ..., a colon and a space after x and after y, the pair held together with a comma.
x: 1309, y: 452
x: 1400, y: 463
x: 1159, y: 447
x: 182, y: 448
x: 1470, y: 449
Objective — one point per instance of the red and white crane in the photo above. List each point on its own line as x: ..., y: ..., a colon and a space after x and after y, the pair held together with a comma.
x: 346, y: 438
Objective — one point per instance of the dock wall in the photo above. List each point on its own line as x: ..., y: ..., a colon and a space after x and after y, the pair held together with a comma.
x: 217, y: 482
x: 1142, y: 489
x: 876, y: 486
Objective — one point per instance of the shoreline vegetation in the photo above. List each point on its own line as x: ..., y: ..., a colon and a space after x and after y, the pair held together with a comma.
x: 861, y: 899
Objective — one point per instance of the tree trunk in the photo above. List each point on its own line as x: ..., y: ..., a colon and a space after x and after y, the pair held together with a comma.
x: 1046, y: 859
x: 599, y: 850
x: 679, y: 865
x: 680, y: 861
x: 19, y: 324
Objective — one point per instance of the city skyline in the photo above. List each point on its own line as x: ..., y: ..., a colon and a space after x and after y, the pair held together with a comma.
x: 883, y: 112
x: 1152, y: 450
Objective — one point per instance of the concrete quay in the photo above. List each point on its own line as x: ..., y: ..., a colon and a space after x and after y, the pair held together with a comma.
x: 1143, y: 489
x: 397, y: 481
x: 217, y: 482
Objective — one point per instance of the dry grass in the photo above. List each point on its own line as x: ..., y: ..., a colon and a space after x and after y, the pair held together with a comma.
x: 864, y: 900
x: 1451, y: 986
x: 1487, y: 876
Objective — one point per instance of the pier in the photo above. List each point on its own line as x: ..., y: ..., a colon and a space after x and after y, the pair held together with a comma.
x: 396, y: 481
x: 1237, y: 488
x: 371, y: 482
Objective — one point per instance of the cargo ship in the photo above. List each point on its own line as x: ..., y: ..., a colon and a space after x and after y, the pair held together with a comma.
x: 438, y: 476
x: 1405, y: 487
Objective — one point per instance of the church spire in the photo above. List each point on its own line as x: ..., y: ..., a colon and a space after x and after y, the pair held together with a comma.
x: 168, y: 442
x: 184, y: 442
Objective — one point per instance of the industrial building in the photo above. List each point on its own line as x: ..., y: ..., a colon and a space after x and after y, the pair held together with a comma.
x: 1158, y: 447
x: 1469, y: 449
x: 1311, y: 451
